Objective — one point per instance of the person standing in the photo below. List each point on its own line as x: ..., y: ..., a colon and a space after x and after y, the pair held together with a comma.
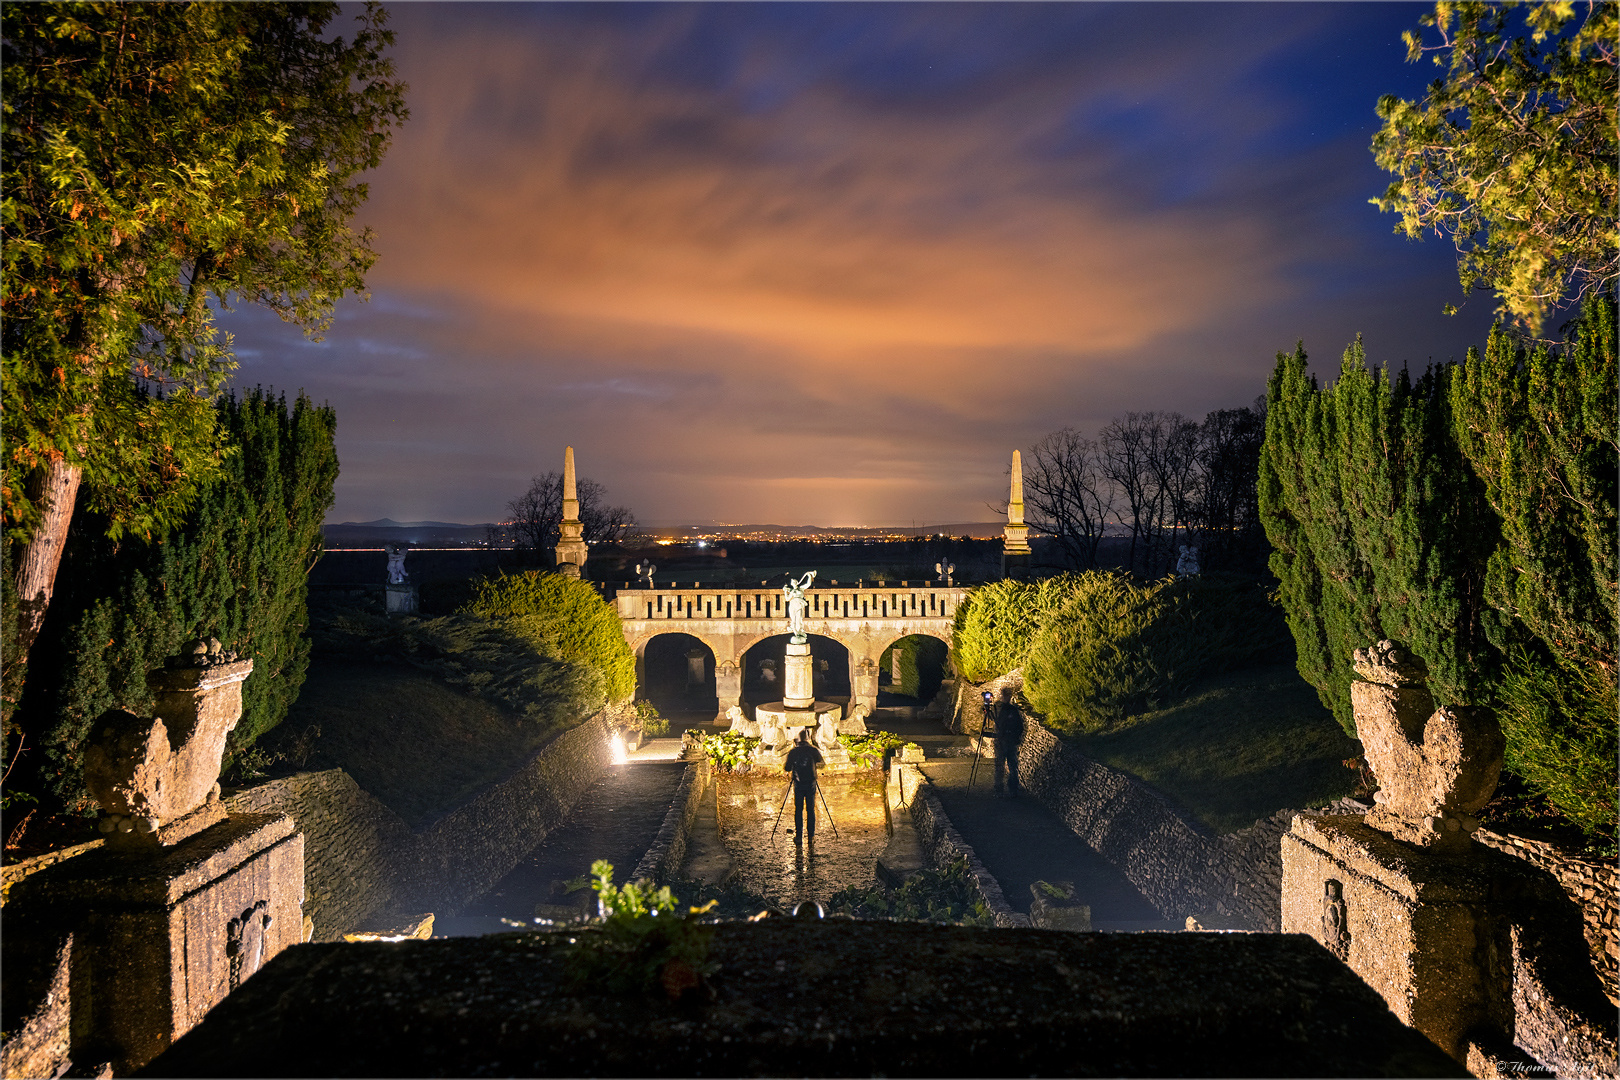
x: 801, y: 764
x: 1009, y: 736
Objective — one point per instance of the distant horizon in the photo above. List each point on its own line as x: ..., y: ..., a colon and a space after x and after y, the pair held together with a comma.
x: 390, y: 523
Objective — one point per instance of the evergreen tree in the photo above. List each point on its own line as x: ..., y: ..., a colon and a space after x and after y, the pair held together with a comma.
x: 1540, y: 429
x: 236, y: 569
x: 1470, y: 516
x: 1378, y: 525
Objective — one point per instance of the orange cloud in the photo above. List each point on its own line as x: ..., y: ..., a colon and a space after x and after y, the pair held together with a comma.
x: 886, y: 243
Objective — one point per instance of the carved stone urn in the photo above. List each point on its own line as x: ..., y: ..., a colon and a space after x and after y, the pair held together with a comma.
x: 156, y: 778
x: 1436, y: 768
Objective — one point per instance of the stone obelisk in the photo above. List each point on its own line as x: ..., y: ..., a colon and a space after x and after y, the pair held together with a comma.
x: 571, y: 543
x: 1015, y: 549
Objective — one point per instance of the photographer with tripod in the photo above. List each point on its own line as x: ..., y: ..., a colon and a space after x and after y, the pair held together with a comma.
x: 1009, y: 737
x: 801, y: 764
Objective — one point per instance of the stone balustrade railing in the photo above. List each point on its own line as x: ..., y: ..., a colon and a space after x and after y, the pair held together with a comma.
x: 878, y: 601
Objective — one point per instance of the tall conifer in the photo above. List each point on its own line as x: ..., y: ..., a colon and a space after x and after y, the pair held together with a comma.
x: 236, y: 570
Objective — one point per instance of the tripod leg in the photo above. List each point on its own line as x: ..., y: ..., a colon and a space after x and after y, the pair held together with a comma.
x: 827, y: 808
x: 780, y: 811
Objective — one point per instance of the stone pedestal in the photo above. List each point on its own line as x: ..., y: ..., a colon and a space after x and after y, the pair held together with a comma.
x: 727, y: 687
x: 863, y: 683
x: 402, y: 599
x: 167, y: 937
x: 798, y: 677
x: 1423, y: 928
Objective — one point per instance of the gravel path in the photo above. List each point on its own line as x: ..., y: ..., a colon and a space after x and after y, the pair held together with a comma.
x: 1020, y: 842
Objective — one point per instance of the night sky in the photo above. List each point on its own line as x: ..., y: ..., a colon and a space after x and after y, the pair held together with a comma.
x: 830, y: 263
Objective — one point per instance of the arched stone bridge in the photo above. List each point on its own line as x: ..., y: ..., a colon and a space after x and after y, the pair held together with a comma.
x: 865, y: 619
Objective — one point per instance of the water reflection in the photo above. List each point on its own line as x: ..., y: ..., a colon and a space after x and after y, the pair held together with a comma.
x: 844, y: 852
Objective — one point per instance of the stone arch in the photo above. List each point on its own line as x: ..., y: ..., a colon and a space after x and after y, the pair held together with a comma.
x: 665, y: 676
x: 823, y: 647
x: 931, y: 678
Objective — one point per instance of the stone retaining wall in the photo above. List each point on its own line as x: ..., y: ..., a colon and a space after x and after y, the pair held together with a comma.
x: 463, y: 854
x: 663, y: 860
x: 944, y: 845
x: 355, y: 848
x: 361, y: 859
x: 1593, y: 886
x: 1175, y: 861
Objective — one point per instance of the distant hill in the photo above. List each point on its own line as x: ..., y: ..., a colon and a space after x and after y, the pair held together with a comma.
x: 390, y: 523
x: 352, y: 534
x: 383, y: 531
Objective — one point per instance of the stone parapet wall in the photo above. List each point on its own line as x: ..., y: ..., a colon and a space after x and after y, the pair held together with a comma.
x: 354, y: 846
x: 944, y: 845
x: 1593, y: 886
x: 362, y: 859
x: 1175, y: 861
x: 461, y: 855
x: 668, y: 851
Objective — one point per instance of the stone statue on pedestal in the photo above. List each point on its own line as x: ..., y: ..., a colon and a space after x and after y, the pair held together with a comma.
x: 396, y: 564
x: 797, y: 605
x: 156, y: 778
x: 1187, y: 562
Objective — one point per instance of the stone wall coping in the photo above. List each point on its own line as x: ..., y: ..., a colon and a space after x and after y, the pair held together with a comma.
x: 113, y: 877
x: 13, y: 872
x: 870, y: 998
x: 945, y: 844
x: 663, y: 859
x: 1415, y: 874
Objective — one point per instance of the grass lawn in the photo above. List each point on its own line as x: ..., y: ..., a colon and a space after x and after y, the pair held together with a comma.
x: 419, y: 746
x: 1241, y: 747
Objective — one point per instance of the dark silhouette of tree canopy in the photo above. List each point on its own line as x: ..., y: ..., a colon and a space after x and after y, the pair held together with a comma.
x: 1068, y: 495
x: 536, y: 516
x: 1169, y: 479
x: 161, y: 159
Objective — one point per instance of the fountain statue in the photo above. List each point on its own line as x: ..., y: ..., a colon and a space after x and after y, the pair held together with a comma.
x: 780, y: 721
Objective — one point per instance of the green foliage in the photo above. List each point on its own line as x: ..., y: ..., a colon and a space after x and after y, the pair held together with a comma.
x: 643, y: 941
x: 565, y: 618
x: 1241, y: 746
x: 1512, y: 152
x: 937, y: 896
x: 480, y: 658
x: 1540, y: 429
x: 996, y: 624
x: 729, y: 750
x: 1378, y: 525
x: 648, y: 720
x: 162, y: 160
x: 922, y: 662
x: 1470, y: 517
x: 1115, y: 648
x: 236, y: 570
x: 872, y: 746
x: 1561, y: 738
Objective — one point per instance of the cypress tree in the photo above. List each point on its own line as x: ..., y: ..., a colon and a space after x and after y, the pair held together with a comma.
x: 236, y: 569
x: 1378, y: 525
x: 1471, y: 516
